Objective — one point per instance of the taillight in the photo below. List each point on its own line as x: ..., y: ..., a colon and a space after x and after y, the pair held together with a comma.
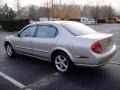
x: 97, y: 48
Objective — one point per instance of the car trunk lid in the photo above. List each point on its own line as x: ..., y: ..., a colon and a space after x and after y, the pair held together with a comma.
x: 106, y: 40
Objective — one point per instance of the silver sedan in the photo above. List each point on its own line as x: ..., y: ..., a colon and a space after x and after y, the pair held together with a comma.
x: 64, y: 43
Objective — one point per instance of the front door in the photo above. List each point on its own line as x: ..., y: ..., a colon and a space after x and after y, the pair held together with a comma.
x: 23, y: 42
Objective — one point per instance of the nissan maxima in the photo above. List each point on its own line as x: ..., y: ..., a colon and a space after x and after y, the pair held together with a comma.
x: 64, y: 43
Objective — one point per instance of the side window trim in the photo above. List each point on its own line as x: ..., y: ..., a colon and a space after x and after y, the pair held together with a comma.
x: 56, y: 33
x: 35, y: 32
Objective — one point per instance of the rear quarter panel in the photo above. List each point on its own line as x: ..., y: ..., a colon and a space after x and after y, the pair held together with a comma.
x: 83, y: 48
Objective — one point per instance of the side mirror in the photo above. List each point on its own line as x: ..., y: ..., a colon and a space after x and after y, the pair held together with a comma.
x: 17, y: 34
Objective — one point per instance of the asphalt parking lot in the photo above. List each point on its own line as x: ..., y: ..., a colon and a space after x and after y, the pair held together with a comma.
x: 27, y: 73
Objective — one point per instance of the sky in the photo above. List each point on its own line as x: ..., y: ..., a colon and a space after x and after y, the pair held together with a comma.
x: 114, y: 3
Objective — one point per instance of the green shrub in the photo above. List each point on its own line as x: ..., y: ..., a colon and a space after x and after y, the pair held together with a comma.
x: 13, y: 24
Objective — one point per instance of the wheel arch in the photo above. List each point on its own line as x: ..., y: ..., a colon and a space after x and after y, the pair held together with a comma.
x: 61, y: 50
x: 7, y: 42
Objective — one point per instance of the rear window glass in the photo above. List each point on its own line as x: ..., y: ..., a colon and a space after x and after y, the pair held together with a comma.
x: 77, y: 29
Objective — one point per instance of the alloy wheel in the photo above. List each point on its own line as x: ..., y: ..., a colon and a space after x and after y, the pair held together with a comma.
x: 61, y: 63
x: 9, y: 50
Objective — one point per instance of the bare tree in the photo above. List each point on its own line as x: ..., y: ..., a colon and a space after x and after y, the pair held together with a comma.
x: 85, y: 11
x: 92, y: 9
x: 52, y: 2
x: 18, y: 8
x: 95, y: 9
x: 110, y: 11
x: 106, y: 11
x: 47, y: 9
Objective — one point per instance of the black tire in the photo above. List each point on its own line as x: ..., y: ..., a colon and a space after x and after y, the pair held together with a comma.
x: 67, y: 62
x: 9, y: 50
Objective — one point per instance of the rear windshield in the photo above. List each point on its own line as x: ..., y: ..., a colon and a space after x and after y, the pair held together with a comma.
x: 77, y: 29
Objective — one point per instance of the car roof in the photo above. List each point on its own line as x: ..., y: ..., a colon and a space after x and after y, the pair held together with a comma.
x: 50, y: 22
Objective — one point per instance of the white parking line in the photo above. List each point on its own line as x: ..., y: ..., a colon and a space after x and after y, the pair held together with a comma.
x: 20, y: 85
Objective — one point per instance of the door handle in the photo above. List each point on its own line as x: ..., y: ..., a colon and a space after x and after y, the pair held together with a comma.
x: 51, y: 42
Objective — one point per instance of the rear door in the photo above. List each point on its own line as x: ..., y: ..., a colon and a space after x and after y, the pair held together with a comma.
x: 45, y: 40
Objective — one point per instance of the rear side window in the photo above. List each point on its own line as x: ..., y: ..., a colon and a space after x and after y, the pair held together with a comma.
x: 46, y: 32
x: 77, y: 29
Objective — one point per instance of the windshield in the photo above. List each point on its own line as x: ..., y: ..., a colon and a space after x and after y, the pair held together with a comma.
x: 77, y: 29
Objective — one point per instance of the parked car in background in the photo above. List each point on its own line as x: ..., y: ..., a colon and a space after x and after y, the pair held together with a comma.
x: 113, y: 20
x: 86, y: 20
x: 64, y: 43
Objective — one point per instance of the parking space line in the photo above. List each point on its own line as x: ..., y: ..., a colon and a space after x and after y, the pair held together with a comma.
x: 13, y: 81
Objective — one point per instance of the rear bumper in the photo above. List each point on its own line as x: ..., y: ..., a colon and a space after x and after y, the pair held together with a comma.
x: 101, y: 60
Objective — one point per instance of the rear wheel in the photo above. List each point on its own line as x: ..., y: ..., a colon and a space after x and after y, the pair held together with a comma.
x: 62, y: 62
x: 9, y: 50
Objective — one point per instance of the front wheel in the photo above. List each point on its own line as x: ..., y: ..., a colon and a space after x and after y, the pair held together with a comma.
x: 62, y: 62
x: 9, y: 50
